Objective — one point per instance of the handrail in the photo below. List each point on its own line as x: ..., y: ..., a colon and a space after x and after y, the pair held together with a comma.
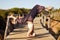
x: 55, y: 20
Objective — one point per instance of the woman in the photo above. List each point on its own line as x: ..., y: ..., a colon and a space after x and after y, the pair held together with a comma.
x: 36, y: 9
x: 30, y: 17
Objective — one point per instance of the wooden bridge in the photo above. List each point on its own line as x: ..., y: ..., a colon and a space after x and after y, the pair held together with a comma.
x: 20, y: 32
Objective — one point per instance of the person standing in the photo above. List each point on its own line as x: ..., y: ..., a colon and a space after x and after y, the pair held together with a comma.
x: 30, y: 17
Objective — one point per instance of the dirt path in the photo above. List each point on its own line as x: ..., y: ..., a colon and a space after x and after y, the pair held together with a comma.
x: 41, y: 33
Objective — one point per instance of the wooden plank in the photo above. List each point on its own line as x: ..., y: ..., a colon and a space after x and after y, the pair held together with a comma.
x: 41, y: 33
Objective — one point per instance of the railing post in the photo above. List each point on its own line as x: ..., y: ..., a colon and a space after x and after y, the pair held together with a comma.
x: 6, y: 28
x: 49, y: 22
x: 44, y: 20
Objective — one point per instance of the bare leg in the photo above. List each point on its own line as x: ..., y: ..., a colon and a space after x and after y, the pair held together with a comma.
x: 31, y: 29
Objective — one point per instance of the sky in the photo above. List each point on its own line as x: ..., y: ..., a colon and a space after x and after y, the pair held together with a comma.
x: 7, y: 4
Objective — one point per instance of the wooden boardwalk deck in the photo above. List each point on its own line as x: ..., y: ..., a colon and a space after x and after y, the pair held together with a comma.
x: 41, y: 33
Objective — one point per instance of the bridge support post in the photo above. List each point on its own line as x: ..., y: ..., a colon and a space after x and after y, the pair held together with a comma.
x: 49, y: 22
x: 5, y: 34
x: 44, y: 21
x: 42, y: 18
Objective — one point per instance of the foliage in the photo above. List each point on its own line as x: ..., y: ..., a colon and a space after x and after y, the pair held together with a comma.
x: 56, y: 14
x: 23, y: 11
x: 5, y: 13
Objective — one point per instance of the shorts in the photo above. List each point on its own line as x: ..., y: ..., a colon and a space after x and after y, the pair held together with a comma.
x: 30, y: 25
